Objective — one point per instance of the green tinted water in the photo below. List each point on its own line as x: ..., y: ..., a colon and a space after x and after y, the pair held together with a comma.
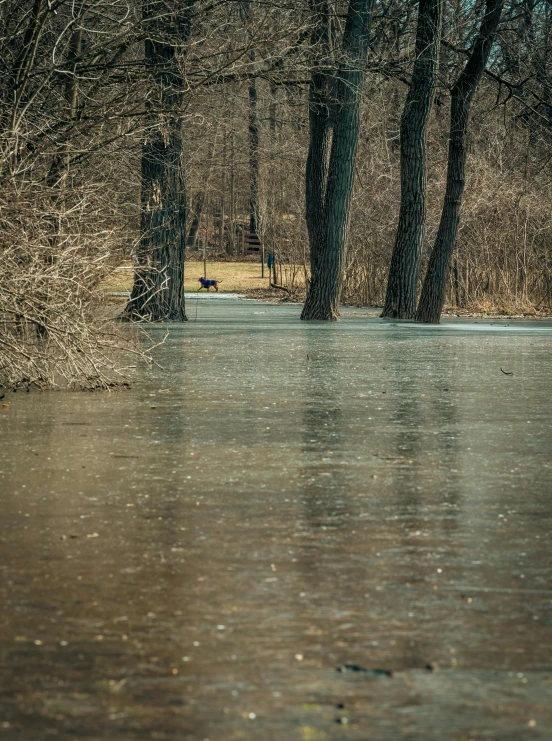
x: 192, y: 559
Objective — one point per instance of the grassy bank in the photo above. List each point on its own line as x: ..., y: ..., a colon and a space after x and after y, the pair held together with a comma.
x: 245, y: 278
x: 235, y: 277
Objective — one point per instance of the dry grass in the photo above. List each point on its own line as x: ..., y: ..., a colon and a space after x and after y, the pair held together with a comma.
x: 235, y: 277
x: 245, y: 278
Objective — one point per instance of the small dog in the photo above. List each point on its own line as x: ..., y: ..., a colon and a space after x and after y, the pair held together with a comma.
x: 208, y: 283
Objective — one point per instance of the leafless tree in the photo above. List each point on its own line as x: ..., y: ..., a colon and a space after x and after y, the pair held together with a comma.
x: 433, y: 292
x: 334, y: 108
x: 402, y: 284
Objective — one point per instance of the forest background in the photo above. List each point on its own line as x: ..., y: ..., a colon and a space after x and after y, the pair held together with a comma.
x: 107, y: 106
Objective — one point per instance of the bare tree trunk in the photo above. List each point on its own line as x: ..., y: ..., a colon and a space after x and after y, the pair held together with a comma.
x: 197, y: 211
x: 231, y: 197
x: 433, y: 291
x: 330, y: 167
x: 253, y: 154
x: 402, y: 284
x: 158, y: 290
x: 254, y: 160
x: 253, y: 134
x: 320, y: 129
x: 201, y: 197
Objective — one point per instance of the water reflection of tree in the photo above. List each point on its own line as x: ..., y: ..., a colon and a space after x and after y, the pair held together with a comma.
x: 424, y: 455
x: 322, y: 471
x: 420, y: 407
x: 322, y: 557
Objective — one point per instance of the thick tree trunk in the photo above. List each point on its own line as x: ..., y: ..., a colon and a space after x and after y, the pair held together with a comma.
x: 158, y: 290
x: 402, y: 284
x: 432, y: 297
x: 320, y: 129
x: 329, y: 180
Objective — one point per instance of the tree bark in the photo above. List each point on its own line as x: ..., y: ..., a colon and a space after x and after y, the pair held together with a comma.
x: 158, y: 290
x: 432, y: 297
x: 320, y: 130
x: 253, y: 152
x: 334, y: 129
x: 402, y: 283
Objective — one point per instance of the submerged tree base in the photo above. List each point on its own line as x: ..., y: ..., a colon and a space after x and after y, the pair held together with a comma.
x: 322, y: 300
x: 319, y: 316
x: 321, y: 310
x: 156, y: 299
x: 429, y: 309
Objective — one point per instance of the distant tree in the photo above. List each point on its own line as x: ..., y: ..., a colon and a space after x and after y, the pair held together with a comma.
x: 402, y: 283
x: 432, y: 297
x: 334, y: 104
x: 253, y: 130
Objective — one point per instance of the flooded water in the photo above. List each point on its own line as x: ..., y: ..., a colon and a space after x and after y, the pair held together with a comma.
x: 194, y: 558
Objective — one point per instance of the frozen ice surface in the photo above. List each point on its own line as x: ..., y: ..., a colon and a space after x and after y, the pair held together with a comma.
x: 192, y: 559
